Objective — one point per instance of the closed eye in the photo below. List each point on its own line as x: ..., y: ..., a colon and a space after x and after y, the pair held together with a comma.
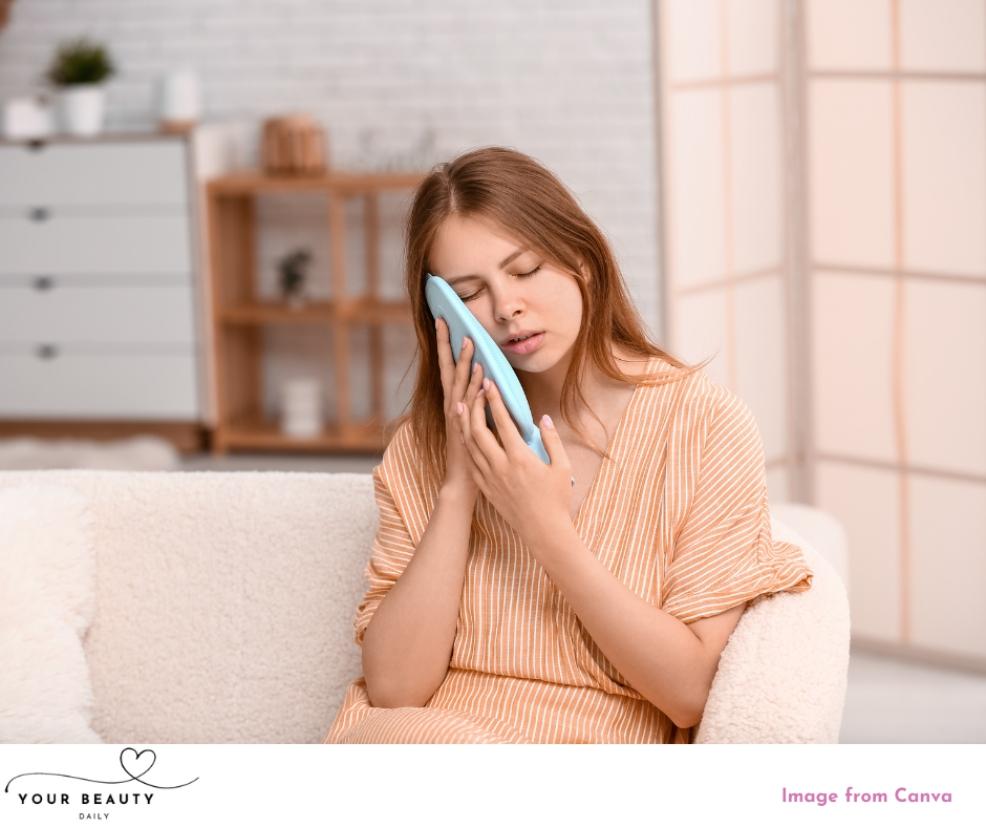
x: 471, y: 296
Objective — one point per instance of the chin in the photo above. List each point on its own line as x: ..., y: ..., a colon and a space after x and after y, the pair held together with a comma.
x: 541, y: 361
x: 553, y: 352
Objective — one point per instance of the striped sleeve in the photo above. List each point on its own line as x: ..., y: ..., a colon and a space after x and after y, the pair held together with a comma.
x: 724, y: 554
x: 392, y: 545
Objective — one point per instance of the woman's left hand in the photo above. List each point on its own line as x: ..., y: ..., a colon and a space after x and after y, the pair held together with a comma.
x: 535, y: 498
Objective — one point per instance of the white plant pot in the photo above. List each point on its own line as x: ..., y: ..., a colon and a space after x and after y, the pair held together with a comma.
x: 82, y: 108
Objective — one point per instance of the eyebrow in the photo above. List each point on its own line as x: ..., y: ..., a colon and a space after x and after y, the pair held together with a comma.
x: 502, y: 264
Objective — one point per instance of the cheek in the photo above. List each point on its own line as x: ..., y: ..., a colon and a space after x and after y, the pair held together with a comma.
x: 561, y: 298
x: 570, y: 304
x: 483, y: 312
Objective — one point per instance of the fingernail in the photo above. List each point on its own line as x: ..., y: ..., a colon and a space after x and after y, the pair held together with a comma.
x: 458, y: 407
x: 475, y: 367
x: 547, y: 421
x: 486, y: 384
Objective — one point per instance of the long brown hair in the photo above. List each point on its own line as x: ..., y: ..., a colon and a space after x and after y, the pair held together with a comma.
x: 521, y: 196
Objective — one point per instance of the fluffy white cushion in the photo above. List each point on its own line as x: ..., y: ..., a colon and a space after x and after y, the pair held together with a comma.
x: 46, y: 606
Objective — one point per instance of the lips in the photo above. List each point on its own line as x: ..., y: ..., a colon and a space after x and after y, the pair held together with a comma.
x: 521, y: 334
x: 528, y: 345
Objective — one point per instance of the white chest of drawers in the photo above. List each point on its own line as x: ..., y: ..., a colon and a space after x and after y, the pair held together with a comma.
x: 99, y: 284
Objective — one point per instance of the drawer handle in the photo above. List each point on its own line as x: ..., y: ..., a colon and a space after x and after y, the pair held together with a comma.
x: 47, y: 351
x: 40, y: 213
x: 36, y: 144
x: 44, y: 282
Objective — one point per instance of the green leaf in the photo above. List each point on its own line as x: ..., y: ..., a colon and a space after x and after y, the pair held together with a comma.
x: 80, y: 61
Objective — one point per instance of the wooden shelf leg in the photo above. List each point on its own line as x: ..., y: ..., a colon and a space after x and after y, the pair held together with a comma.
x: 340, y: 330
x: 371, y: 236
x: 215, y: 206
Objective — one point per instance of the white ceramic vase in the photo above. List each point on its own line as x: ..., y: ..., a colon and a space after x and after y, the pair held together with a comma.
x: 179, y: 96
x: 301, y: 407
x: 83, y: 107
x: 26, y: 117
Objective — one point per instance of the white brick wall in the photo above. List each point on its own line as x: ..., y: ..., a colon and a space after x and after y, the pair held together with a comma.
x: 567, y: 82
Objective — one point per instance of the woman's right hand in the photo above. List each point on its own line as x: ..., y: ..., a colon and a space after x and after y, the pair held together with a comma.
x: 457, y: 386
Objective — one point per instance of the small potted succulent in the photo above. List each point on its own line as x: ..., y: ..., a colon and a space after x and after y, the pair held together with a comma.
x: 79, y: 69
x: 293, y: 271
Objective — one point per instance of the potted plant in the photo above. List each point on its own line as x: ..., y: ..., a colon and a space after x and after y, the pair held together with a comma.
x: 292, y: 269
x: 79, y: 69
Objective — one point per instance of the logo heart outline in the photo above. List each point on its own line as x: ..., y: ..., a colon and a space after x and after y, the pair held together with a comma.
x: 136, y: 758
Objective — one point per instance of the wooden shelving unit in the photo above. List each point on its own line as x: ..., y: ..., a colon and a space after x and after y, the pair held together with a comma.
x: 239, y: 316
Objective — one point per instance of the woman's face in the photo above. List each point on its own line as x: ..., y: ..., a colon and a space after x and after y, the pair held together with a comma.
x: 525, y: 294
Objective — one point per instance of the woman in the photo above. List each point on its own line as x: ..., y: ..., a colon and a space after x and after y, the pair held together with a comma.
x: 588, y: 600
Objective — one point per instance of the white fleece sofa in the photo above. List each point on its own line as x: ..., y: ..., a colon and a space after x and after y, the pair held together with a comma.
x: 224, y: 603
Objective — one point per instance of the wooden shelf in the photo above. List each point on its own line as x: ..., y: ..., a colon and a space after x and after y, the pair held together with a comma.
x: 259, y: 434
x: 356, y: 183
x: 254, y: 313
x: 377, y: 310
x: 366, y: 310
x: 239, y: 316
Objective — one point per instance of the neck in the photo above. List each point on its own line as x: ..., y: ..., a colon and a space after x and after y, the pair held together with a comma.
x: 543, y: 389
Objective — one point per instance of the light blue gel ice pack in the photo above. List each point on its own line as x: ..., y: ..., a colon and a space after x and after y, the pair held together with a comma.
x: 444, y: 303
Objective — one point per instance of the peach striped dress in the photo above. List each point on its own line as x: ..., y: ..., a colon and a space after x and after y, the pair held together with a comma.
x: 679, y: 515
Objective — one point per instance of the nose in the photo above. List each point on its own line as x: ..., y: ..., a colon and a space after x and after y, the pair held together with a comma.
x: 508, y: 303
